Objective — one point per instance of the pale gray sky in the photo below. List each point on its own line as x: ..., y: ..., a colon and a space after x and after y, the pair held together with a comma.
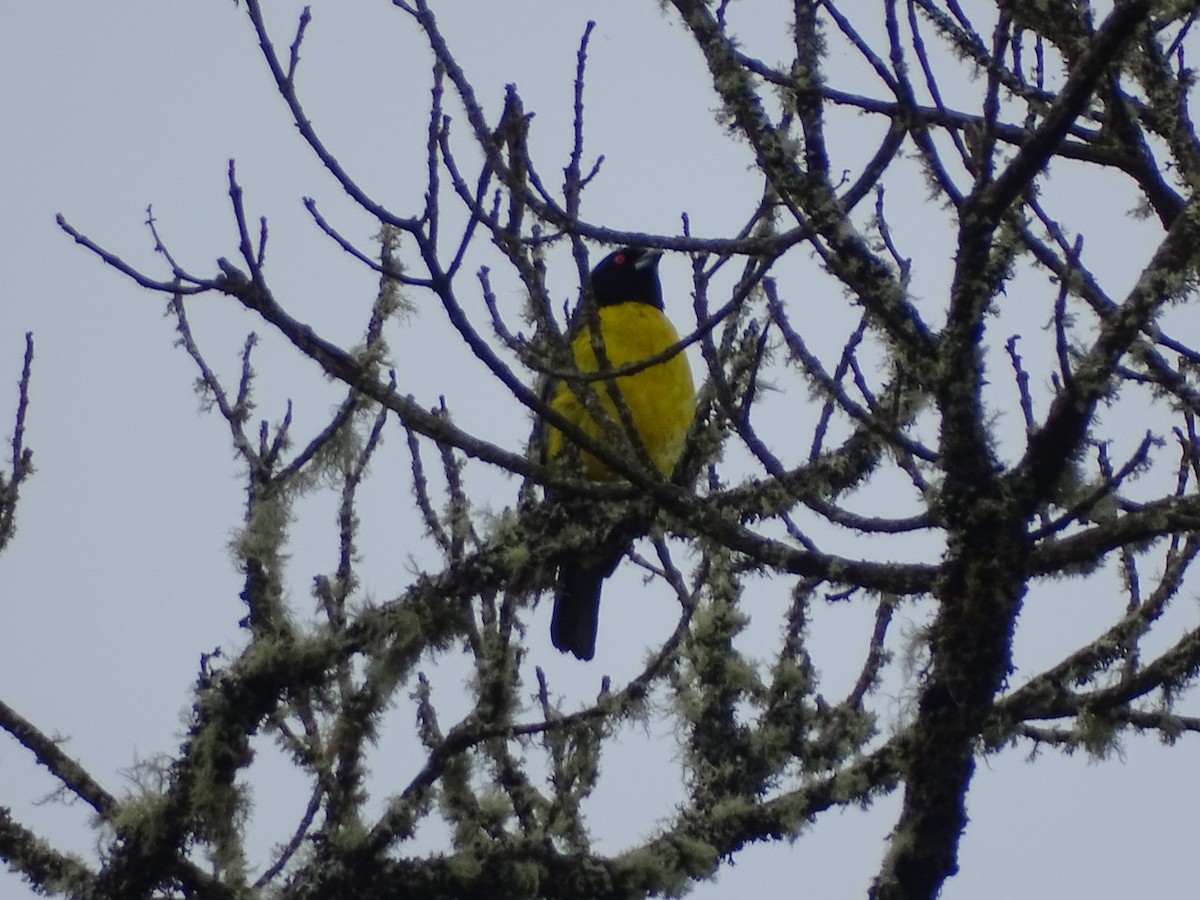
x: 119, y: 578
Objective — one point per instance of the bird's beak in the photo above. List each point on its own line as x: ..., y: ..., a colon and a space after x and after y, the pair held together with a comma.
x: 648, y: 260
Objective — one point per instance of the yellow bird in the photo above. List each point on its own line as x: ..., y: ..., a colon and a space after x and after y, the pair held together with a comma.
x: 661, y: 402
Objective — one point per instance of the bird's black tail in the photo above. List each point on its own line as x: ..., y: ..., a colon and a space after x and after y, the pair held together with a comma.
x: 580, y: 576
x: 577, y: 609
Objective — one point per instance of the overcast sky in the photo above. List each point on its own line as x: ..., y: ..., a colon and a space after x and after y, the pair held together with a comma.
x: 120, y: 575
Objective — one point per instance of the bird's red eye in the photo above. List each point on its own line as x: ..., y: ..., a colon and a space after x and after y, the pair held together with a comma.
x: 620, y: 259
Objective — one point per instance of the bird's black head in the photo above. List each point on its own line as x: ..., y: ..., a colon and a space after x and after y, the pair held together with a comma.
x: 630, y: 275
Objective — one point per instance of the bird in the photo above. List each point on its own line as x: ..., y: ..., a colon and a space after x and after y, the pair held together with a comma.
x: 660, y: 400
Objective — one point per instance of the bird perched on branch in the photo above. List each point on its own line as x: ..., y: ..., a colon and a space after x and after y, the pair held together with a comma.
x: 660, y: 403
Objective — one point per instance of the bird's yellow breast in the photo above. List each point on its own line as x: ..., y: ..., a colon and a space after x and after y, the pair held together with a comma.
x: 660, y: 399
